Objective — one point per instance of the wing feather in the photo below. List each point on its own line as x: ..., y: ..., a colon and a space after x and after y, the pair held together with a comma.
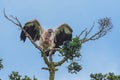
x: 62, y: 33
x: 33, y: 28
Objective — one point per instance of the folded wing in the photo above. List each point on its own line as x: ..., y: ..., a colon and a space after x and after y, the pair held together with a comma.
x: 62, y: 33
x: 33, y: 28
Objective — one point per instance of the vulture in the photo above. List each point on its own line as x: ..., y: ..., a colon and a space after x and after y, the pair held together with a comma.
x: 49, y: 38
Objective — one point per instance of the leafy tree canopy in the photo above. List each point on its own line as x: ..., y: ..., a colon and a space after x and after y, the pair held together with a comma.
x: 1, y: 64
x: 16, y: 76
x: 100, y: 76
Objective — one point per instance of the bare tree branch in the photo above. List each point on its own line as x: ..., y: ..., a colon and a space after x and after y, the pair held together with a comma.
x: 82, y: 32
x: 105, y: 26
x: 91, y: 28
x: 45, y: 68
x: 50, y: 56
x: 60, y: 62
x: 45, y: 59
x: 15, y: 21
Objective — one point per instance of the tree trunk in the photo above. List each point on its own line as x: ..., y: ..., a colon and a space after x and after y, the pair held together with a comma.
x: 52, y: 74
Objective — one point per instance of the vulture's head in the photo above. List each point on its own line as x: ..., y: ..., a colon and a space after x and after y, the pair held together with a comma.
x: 47, y: 35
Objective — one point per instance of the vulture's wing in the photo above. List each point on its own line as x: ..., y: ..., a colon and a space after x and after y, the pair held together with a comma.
x: 33, y: 28
x: 62, y: 33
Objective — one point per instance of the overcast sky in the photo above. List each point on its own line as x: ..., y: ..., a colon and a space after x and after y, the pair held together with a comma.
x: 97, y: 56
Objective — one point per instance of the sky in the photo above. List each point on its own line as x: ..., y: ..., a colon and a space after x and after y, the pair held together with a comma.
x: 100, y: 56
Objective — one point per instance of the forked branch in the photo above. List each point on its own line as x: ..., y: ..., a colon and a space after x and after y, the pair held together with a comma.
x: 61, y: 62
x: 105, y: 26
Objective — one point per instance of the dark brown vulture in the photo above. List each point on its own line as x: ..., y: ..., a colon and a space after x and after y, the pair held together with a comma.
x: 48, y: 38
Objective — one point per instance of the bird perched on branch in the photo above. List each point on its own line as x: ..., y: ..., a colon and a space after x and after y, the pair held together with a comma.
x: 48, y: 38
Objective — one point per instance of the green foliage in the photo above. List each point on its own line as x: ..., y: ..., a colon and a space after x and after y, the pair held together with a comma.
x: 100, y: 76
x: 17, y: 76
x: 26, y: 78
x: 1, y: 65
x: 71, y: 50
x: 74, y: 67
